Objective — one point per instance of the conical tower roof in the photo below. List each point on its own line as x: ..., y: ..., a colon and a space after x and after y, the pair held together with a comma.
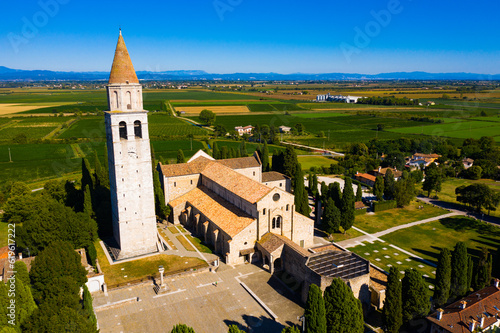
x: 122, y: 69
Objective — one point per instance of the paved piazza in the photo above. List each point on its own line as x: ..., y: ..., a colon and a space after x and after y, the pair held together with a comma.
x: 195, y: 300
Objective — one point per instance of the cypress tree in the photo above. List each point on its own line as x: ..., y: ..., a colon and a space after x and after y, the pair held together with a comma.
x: 224, y: 153
x: 278, y: 158
x: 315, y: 311
x: 331, y: 217
x: 230, y: 153
x: 459, y: 270
x: 291, y: 329
x: 335, y: 193
x: 314, y: 188
x: 378, y: 188
x: 443, y: 278
x: 359, y: 193
x: 389, y: 185
x: 344, y: 313
x: 180, y: 156
x: 347, y: 209
x: 216, y: 151
x: 324, y: 191
x: 87, y: 175
x: 393, y: 304
x: 265, y: 158
x: 161, y: 209
x: 87, y: 201
x: 4, y: 303
x: 470, y: 273
x: 290, y: 162
x: 87, y: 306
x: 301, y: 200
x: 101, y: 178
x: 482, y: 274
x: 243, y: 149
x: 25, y: 304
x: 414, y: 295
x: 106, y: 163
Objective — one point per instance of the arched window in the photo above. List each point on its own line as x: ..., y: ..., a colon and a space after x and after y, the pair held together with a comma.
x: 123, y: 130
x: 276, y: 222
x: 129, y: 100
x: 115, y: 93
x: 287, y: 207
x: 137, y: 129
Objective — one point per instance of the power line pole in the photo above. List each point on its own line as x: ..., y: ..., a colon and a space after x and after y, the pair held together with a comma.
x: 10, y: 156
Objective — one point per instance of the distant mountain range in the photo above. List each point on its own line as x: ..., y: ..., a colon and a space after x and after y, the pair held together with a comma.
x: 9, y: 74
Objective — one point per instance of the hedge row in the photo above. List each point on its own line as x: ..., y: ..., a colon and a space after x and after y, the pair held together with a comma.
x: 379, y: 206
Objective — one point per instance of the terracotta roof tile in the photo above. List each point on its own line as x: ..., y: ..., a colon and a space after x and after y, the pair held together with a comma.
x: 193, y: 167
x: 241, y: 162
x: 244, y: 187
x: 223, y: 214
x: 455, y: 319
x: 270, y: 242
x: 122, y: 70
x: 366, y: 176
x: 272, y: 176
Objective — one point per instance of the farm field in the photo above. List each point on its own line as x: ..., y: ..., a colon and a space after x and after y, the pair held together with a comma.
x: 33, y: 127
x: 195, y: 110
x: 426, y: 240
x: 13, y: 108
x: 464, y: 129
x: 384, y: 220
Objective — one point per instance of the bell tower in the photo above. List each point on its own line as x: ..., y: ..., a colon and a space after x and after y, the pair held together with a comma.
x: 129, y: 157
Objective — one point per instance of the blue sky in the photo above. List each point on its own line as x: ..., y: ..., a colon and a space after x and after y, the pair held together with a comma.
x: 227, y: 36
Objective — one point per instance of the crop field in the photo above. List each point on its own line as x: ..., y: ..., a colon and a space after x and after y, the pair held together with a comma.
x: 494, y: 119
x: 88, y: 127
x: 465, y: 129
x: 195, y: 110
x: 251, y: 147
x: 320, y: 115
x: 162, y: 125
x: 12, y: 108
x: 315, y: 161
x: 33, y: 127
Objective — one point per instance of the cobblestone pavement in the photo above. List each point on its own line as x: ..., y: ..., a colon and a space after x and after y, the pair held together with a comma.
x: 197, y: 301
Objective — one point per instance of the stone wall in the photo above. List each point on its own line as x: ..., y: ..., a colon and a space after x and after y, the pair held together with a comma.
x: 174, y: 187
x: 254, y: 173
x: 282, y: 184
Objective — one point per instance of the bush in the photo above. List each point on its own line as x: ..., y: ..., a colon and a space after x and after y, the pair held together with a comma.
x: 358, y: 212
x: 91, y: 253
x: 380, y: 206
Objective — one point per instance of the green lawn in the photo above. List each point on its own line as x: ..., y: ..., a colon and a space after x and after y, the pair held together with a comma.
x: 185, y: 243
x: 198, y: 244
x: 315, y: 161
x: 120, y: 274
x: 426, y: 240
x: 448, y: 187
x: 385, y: 256
x: 351, y: 233
x: 380, y: 221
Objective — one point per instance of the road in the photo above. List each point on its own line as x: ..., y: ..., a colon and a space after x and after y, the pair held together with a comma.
x: 334, y: 153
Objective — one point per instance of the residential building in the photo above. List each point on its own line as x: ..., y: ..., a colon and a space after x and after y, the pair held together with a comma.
x: 382, y: 171
x: 244, y: 130
x: 467, y: 162
x: 366, y: 178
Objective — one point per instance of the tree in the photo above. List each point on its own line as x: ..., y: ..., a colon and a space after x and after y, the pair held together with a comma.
x: 378, y: 188
x: 389, y: 185
x: 59, y: 319
x: 315, y: 311
x: 414, y: 295
x: 87, y: 201
x: 478, y: 196
x: 87, y: 178
x: 220, y: 130
x: 335, y: 193
x: 331, y: 217
x: 474, y: 172
x: 359, y: 193
x: 443, y: 278
x: 216, y: 151
x: 54, y: 269
x: 180, y: 156
x: 344, y: 313
x: 265, y: 158
x: 404, y: 192
x: 290, y: 162
x: 243, y: 149
x: 224, y: 153
x: 347, y: 208
x: 433, y: 180
x: 291, y: 329
x: 313, y: 185
x: 393, y: 304
x: 459, y: 268
x: 278, y: 161
x: 181, y: 328
x: 100, y: 175
x: 19, y: 189
x: 207, y: 116
x: 22, y: 272
x: 234, y: 329
x: 161, y: 210
x: 301, y: 199
x: 56, y: 190
x: 482, y: 276
x: 23, y: 300
x: 87, y: 306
